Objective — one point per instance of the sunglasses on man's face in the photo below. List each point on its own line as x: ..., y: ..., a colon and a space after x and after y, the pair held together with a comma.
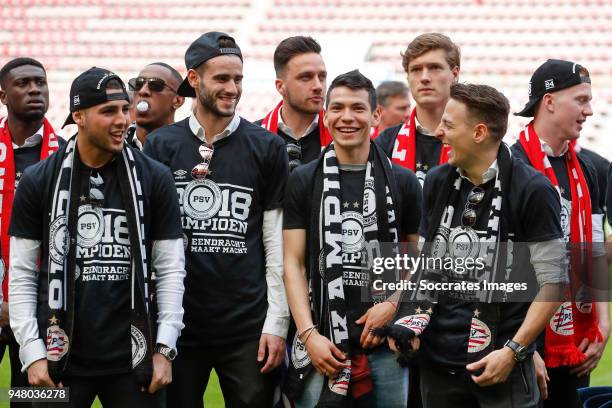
x: 155, y: 84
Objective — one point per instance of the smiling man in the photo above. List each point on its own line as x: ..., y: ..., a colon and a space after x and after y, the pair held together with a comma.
x: 89, y: 226
x: 26, y: 137
x: 230, y: 175
x: 301, y: 79
x: 483, y: 194
x: 431, y: 62
x: 367, y: 201
x: 155, y: 100
x: 560, y: 102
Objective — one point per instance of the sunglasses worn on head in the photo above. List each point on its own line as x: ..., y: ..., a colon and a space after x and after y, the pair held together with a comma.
x: 469, y: 216
x: 201, y: 170
x: 155, y: 84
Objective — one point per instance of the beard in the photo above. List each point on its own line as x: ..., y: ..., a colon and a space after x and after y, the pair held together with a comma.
x: 207, y: 100
x: 302, y: 108
x: 29, y: 116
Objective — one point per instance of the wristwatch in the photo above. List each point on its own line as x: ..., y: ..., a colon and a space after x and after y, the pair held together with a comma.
x: 168, y: 352
x: 520, y: 352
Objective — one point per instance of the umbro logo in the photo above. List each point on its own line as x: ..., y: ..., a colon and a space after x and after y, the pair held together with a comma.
x: 180, y: 173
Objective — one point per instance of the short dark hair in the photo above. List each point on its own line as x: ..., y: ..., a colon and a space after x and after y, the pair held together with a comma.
x: 354, y: 80
x: 18, y: 62
x: 172, y: 70
x: 389, y: 89
x: 484, y: 104
x: 291, y: 47
x: 430, y: 42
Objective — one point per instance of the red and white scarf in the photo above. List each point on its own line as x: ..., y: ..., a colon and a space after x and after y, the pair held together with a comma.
x: 570, y: 324
x: 404, y: 149
x: 270, y: 123
x: 7, y: 183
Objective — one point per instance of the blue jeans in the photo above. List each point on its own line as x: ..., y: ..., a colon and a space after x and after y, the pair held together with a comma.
x: 390, y: 382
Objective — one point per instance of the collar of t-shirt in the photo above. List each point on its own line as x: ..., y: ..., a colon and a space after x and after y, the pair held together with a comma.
x: 352, y: 167
x: 421, y: 129
x: 487, y: 176
x: 549, y: 152
x: 33, y: 140
x: 198, y: 130
x: 287, y: 130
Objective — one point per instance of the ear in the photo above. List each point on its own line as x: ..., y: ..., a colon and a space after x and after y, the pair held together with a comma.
x: 481, y: 133
x: 548, y: 102
x: 326, y: 119
x: 178, y: 102
x: 194, y: 78
x: 3, y: 97
x: 79, y: 118
x: 376, y: 116
x: 280, y: 86
x: 455, y: 72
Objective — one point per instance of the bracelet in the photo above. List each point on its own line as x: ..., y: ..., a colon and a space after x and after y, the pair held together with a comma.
x: 304, y: 332
x: 309, y: 333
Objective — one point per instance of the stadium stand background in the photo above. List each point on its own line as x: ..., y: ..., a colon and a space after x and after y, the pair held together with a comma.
x: 502, y: 42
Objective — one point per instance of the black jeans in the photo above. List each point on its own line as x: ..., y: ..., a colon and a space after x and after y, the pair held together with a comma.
x: 444, y: 389
x: 18, y: 379
x: 236, y: 365
x: 562, y: 388
x: 113, y: 391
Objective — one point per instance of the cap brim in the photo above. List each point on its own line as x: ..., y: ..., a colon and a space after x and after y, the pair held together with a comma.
x: 528, y: 110
x: 69, y: 121
x: 186, y: 90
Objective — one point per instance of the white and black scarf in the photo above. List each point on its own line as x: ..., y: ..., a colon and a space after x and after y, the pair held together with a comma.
x: 328, y: 301
x: 415, y: 312
x: 62, y: 262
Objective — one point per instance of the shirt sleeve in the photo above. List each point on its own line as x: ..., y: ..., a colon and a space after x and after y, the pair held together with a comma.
x: 277, y: 316
x: 276, y: 172
x: 549, y: 260
x: 165, y: 211
x: 168, y: 261
x: 27, y: 214
x: 540, y: 211
x: 23, y: 299
x: 295, y: 204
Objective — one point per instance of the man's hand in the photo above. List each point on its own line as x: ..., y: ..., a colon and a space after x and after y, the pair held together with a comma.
x: 275, y: 347
x: 38, y: 374
x: 593, y: 352
x: 541, y: 374
x: 375, y: 317
x: 415, y: 343
x: 4, y: 314
x: 497, y: 367
x: 326, y: 358
x: 162, y: 373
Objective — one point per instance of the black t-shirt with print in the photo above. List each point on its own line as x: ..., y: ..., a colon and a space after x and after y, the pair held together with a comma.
x: 225, y: 289
x: 310, y: 144
x: 100, y: 342
x: 559, y: 166
x: 534, y: 205
x: 427, y: 151
x: 298, y: 207
x: 600, y: 165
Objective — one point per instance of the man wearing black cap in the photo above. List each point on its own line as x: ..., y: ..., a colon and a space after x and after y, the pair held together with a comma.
x: 26, y: 137
x: 560, y: 102
x: 100, y: 218
x: 230, y: 175
x: 155, y: 100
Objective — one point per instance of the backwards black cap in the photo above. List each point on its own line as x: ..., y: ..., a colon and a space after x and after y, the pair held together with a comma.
x: 200, y: 51
x: 89, y: 89
x: 552, y: 76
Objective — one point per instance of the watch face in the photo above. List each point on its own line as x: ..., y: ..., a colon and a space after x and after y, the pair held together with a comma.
x: 172, y: 354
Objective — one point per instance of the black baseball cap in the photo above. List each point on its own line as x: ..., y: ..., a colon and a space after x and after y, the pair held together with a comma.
x: 89, y: 89
x: 200, y: 51
x: 552, y: 76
